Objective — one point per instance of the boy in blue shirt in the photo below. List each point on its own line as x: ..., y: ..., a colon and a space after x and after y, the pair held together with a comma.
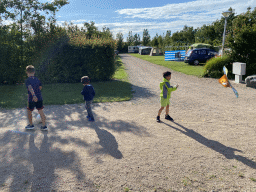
x: 88, y: 93
x: 35, y: 99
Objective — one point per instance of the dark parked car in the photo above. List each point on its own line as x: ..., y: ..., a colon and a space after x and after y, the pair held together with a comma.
x: 196, y: 56
x: 116, y: 52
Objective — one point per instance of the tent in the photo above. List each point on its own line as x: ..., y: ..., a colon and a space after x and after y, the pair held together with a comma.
x: 156, y: 51
x: 201, y: 45
x: 145, y: 50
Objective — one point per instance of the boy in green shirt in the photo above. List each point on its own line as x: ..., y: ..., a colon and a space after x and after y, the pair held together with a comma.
x: 165, y: 95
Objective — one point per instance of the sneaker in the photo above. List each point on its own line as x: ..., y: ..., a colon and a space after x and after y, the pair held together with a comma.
x: 91, y: 119
x: 158, y: 119
x: 44, y: 128
x: 168, y: 117
x: 30, y: 126
x: 87, y: 117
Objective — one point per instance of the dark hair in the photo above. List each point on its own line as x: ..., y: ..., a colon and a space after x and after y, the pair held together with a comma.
x: 30, y: 69
x: 166, y: 74
x: 85, y: 79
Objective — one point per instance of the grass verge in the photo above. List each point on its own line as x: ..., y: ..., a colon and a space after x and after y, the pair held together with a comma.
x: 118, y: 89
x: 179, y: 66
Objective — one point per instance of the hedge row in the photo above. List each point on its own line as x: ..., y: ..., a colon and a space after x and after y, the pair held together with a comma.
x: 59, y: 58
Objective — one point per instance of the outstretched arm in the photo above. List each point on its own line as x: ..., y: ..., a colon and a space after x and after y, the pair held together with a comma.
x: 170, y: 88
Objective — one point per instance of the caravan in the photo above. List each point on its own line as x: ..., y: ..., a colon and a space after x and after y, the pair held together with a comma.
x: 133, y: 49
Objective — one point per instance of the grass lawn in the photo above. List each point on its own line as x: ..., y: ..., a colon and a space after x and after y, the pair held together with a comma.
x: 119, y: 89
x: 174, y: 65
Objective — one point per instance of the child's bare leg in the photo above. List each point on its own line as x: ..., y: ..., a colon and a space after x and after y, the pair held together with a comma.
x: 167, y: 109
x: 41, y: 112
x: 160, y: 110
x: 30, y: 117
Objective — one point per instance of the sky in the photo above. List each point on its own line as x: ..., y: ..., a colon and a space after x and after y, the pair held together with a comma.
x: 157, y: 16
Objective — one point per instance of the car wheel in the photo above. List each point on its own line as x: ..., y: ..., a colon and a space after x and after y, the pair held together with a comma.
x: 196, y: 62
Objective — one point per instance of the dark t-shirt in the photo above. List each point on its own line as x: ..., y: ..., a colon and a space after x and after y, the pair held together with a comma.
x: 88, y: 92
x: 35, y: 83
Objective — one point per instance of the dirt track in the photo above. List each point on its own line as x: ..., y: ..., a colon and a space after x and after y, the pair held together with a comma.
x: 210, y: 146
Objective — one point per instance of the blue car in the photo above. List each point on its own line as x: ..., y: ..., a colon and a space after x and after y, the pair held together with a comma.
x: 196, y: 56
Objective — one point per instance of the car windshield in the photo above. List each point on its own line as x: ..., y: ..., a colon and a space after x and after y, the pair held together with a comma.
x: 188, y: 53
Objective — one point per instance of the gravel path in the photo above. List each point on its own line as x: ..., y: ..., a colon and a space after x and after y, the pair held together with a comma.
x: 210, y: 146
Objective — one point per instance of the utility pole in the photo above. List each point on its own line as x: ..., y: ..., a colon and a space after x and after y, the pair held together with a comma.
x: 21, y: 38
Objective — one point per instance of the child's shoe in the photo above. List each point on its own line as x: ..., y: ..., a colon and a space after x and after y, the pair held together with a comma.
x: 91, y: 119
x: 87, y: 117
x: 168, y: 117
x: 44, y: 128
x: 158, y: 119
x: 30, y: 127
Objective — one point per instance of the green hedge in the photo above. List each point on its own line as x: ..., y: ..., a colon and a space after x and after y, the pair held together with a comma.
x: 76, y: 58
x: 214, y: 67
x: 58, y: 58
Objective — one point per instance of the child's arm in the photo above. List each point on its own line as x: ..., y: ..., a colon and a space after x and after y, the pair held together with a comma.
x: 171, y: 88
x: 83, y: 92
x: 33, y: 93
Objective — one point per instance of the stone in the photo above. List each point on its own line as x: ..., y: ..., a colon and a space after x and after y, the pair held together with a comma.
x: 250, y: 81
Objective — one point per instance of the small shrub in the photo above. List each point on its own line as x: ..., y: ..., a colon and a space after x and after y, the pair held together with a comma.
x: 214, y: 67
x: 253, y: 179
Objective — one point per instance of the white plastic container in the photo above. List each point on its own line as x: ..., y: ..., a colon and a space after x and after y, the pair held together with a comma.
x: 239, y: 69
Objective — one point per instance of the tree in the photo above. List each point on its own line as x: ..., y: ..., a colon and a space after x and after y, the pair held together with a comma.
x: 167, y: 38
x: 145, y: 38
x: 242, y: 39
x: 91, y: 30
x: 31, y: 13
x: 136, y: 39
x: 106, y: 34
x: 160, y: 41
x: 154, y: 42
x: 119, y: 38
x: 130, y: 39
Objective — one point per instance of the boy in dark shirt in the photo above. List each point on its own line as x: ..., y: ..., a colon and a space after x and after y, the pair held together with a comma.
x: 88, y: 93
x: 35, y: 99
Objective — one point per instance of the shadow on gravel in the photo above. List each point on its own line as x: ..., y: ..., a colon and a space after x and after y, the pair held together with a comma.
x: 34, y: 169
x: 30, y: 160
x: 228, y: 152
x: 108, y: 143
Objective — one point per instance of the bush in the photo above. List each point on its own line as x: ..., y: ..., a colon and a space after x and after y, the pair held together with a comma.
x: 58, y: 57
x: 214, y: 67
x: 12, y: 63
x: 74, y: 57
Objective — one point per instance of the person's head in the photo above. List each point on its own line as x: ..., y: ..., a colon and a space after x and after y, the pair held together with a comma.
x: 85, y: 80
x: 167, y: 75
x: 30, y: 70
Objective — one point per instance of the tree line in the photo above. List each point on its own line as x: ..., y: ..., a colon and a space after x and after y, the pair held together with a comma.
x: 209, y: 34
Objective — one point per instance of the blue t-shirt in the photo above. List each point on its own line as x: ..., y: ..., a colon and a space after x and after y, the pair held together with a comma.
x: 35, y: 83
x: 88, y: 92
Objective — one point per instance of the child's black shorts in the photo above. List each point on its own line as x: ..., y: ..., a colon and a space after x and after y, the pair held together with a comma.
x: 38, y: 105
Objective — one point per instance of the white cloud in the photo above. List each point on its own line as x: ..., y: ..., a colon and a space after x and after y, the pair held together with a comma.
x: 171, y: 17
x: 194, y: 13
x: 198, y: 7
x: 7, y: 22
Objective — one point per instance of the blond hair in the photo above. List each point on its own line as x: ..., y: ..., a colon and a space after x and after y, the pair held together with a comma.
x: 30, y: 69
x: 85, y: 79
